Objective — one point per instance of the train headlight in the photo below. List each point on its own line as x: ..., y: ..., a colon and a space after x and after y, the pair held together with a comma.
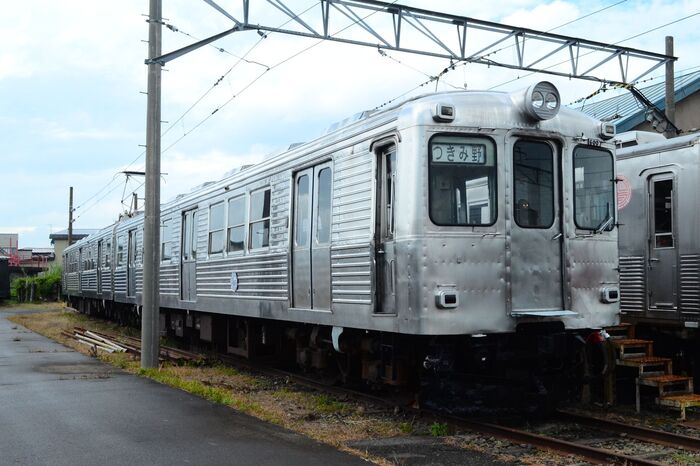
x: 542, y: 101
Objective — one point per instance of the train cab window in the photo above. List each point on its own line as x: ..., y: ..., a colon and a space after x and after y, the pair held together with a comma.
x: 323, y: 215
x: 216, y: 228
x: 166, y: 246
x: 236, y: 225
x: 462, y: 181
x: 259, y: 230
x: 594, y: 202
x: 533, y: 190
x: 303, y: 211
x: 663, y: 214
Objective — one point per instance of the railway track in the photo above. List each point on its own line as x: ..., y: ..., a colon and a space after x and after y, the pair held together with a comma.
x: 547, y: 442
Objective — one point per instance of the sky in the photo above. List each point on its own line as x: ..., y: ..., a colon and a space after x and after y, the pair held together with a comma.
x: 73, y: 82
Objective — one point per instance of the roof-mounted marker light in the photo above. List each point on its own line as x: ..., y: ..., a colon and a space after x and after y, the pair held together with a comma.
x: 542, y: 101
x: 607, y: 130
x: 444, y: 113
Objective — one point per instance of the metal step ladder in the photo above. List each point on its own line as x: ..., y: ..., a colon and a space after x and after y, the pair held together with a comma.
x: 675, y: 391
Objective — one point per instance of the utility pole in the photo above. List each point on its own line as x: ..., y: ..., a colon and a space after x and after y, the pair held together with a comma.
x: 670, y: 91
x: 70, y: 217
x: 150, y: 347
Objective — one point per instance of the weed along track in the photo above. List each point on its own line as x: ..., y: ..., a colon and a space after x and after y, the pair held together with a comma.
x: 357, y: 421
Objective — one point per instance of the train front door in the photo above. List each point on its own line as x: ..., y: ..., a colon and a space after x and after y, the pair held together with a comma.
x: 662, y: 253
x: 188, y: 256
x: 131, y: 264
x: 536, y: 232
x: 311, y: 254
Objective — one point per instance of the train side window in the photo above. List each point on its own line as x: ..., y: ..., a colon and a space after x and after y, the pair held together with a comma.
x: 259, y: 231
x: 303, y: 212
x: 216, y: 228
x: 533, y: 180
x: 166, y: 246
x: 121, y: 249
x: 594, y: 201
x: 323, y: 216
x: 663, y: 214
x: 236, y: 224
x: 462, y: 181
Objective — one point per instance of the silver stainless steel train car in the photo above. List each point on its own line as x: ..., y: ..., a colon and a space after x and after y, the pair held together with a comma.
x: 660, y: 237
x: 485, y: 216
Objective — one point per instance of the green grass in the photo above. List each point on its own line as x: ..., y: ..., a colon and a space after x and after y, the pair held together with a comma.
x: 324, y: 404
x: 439, y: 429
x: 406, y: 427
x: 213, y: 394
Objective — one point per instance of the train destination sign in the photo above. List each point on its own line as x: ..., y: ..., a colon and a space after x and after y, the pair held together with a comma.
x: 459, y: 153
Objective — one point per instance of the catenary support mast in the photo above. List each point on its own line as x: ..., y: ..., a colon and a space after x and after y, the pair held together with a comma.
x: 151, y: 225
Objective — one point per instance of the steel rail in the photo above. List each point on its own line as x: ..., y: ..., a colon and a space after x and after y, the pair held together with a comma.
x: 641, y: 433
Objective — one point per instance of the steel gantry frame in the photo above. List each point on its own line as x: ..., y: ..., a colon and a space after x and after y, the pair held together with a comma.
x: 542, y: 46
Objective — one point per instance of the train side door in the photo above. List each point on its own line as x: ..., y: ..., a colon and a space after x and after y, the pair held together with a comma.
x: 385, y: 253
x: 131, y: 264
x: 188, y: 256
x: 662, y: 254
x: 99, y: 266
x: 311, y: 256
x: 536, y: 231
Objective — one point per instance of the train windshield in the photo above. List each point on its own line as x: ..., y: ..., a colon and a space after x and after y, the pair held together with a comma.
x: 594, y: 202
x: 462, y: 181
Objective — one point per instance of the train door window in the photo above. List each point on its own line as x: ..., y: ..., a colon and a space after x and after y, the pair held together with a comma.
x: 216, y: 228
x: 236, y: 225
x: 303, y: 211
x: 121, y: 249
x: 389, y: 190
x: 259, y: 233
x: 166, y: 245
x: 663, y: 214
x: 594, y: 202
x: 533, y: 180
x: 108, y: 254
x: 323, y: 215
x: 462, y: 181
x: 193, y: 235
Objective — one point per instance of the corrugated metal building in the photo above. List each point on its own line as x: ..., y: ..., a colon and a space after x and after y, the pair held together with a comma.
x: 629, y: 115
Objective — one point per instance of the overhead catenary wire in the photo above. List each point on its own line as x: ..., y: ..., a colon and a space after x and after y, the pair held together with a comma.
x: 247, y: 86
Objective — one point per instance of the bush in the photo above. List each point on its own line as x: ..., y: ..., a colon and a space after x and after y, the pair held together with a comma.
x: 47, y: 286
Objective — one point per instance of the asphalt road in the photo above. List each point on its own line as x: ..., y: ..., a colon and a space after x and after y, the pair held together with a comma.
x: 59, y: 407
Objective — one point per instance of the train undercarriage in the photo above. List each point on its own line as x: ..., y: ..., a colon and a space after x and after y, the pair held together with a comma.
x: 527, y: 371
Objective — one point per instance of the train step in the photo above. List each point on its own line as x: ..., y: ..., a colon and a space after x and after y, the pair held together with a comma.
x: 632, y: 347
x: 680, y: 402
x: 648, y: 365
x: 620, y: 331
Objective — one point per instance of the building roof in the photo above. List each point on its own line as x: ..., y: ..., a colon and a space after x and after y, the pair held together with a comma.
x: 78, y: 233
x: 626, y: 113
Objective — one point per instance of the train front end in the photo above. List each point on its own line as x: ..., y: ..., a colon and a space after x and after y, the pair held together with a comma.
x: 510, y: 244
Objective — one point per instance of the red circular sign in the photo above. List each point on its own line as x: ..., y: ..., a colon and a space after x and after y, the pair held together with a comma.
x: 624, y: 192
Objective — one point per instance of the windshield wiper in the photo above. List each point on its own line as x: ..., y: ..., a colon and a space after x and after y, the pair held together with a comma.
x: 607, y: 222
